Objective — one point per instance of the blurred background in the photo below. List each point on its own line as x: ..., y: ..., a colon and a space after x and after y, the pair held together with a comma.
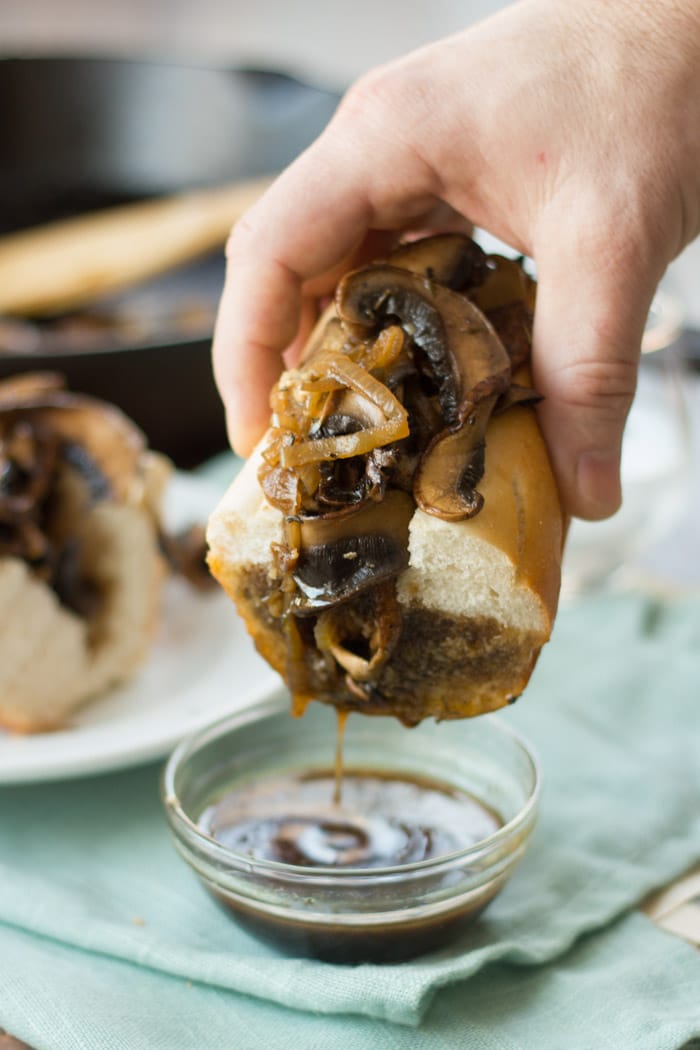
x: 105, y: 104
x: 330, y: 43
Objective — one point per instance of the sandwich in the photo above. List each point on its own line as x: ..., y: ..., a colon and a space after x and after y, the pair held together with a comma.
x: 80, y: 557
x: 394, y: 542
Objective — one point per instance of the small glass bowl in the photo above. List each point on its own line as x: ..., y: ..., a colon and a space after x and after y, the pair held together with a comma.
x: 375, y: 914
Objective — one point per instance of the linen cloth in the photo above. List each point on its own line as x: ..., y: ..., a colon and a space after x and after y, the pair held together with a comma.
x: 107, y: 939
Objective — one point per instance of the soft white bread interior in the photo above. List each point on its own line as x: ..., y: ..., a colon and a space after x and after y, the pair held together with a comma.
x: 53, y: 660
x: 54, y: 657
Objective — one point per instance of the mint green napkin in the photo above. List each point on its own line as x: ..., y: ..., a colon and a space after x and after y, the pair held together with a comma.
x: 628, y: 988
x: 91, y: 889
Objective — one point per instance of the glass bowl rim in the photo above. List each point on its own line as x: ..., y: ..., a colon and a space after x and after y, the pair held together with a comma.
x: 277, y: 703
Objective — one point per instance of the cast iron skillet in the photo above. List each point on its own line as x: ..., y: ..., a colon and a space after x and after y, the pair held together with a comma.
x: 80, y: 133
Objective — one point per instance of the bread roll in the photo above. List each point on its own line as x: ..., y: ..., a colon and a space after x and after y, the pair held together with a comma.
x: 80, y: 563
x: 469, y: 608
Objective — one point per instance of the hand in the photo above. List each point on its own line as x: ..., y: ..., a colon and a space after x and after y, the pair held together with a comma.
x: 571, y: 131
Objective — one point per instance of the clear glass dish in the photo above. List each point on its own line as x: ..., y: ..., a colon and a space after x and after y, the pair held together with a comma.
x: 353, y: 914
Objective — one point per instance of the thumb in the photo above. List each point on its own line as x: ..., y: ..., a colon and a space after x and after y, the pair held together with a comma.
x: 589, y: 322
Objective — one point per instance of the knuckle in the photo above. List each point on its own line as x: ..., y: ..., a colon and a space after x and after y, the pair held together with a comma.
x: 376, y: 96
x: 607, y: 386
x: 241, y: 237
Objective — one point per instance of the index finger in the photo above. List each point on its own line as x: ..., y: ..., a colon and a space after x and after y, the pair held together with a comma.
x: 281, y: 243
x: 314, y: 216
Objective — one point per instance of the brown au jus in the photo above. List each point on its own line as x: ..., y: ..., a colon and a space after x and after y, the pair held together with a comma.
x: 384, y: 820
x: 387, y: 413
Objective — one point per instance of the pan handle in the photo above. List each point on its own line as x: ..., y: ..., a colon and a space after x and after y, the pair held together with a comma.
x: 68, y: 264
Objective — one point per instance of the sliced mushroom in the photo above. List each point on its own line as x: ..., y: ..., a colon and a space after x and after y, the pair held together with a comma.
x: 381, y: 468
x: 459, y: 343
x: 469, y: 362
x: 516, y: 394
x: 28, y: 455
x: 452, y: 466
x: 452, y: 259
x: 28, y: 459
x: 344, y: 553
x: 513, y: 323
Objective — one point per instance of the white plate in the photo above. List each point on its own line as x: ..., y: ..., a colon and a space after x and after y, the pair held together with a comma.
x: 203, y: 666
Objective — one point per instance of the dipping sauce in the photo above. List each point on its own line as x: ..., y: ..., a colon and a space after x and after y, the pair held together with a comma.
x: 429, y: 828
x: 382, y: 820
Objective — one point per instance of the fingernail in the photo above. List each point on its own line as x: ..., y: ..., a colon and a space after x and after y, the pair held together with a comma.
x: 598, y: 485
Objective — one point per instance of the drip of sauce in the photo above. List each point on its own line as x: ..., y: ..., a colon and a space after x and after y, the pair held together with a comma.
x: 300, y: 701
x: 338, y: 788
x: 384, y: 819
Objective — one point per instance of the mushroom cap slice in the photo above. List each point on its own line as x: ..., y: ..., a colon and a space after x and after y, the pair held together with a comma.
x: 452, y: 259
x: 459, y: 343
x: 469, y: 364
x: 451, y: 468
x: 344, y: 553
x: 507, y: 297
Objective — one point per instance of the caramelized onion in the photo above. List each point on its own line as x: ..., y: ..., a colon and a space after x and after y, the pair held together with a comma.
x: 342, y: 446
x: 345, y: 629
x: 348, y: 373
x: 385, y: 350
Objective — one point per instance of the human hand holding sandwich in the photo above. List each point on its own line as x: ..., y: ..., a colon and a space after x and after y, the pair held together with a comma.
x: 572, y: 133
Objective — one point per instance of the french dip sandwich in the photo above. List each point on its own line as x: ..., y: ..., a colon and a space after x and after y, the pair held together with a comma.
x: 80, y: 562
x: 394, y: 543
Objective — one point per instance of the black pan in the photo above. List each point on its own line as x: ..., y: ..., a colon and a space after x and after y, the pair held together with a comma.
x: 78, y: 134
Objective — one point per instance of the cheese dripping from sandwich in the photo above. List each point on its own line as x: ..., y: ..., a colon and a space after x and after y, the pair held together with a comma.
x: 387, y: 412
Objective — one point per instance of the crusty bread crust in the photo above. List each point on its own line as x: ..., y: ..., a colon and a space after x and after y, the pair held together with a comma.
x: 478, y: 598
